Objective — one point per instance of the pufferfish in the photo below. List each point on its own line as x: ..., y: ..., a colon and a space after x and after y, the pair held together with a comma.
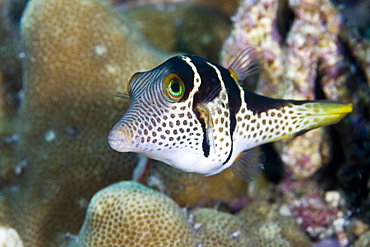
x: 195, y: 115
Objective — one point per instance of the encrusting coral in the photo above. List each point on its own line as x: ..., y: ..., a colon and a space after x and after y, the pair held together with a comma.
x: 264, y: 219
x: 255, y: 23
x: 268, y: 227
x: 319, y: 213
x: 130, y: 214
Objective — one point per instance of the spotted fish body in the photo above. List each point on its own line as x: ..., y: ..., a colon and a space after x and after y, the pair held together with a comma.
x: 194, y: 115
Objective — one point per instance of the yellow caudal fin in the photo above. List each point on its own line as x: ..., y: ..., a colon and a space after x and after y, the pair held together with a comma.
x: 302, y: 117
x: 322, y: 113
x: 297, y: 117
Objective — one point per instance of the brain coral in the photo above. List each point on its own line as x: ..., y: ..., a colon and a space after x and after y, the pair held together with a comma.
x: 257, y: 225
x: 77, y: 55
x: 267, y: 227
x: 214, y: 228
x: 130, y: 214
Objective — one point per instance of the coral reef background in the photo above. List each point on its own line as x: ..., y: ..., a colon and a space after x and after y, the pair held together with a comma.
x: 62, y: 62
x: 142, y: 212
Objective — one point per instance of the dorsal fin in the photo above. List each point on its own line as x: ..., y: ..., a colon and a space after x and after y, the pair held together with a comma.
x: 244, y: 64
x: 248, y: 165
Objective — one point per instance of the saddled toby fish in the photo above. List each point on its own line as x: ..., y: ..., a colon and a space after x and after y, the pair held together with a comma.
x: 195, y: 116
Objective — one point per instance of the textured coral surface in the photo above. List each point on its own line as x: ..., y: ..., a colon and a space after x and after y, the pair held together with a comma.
x: 130, y: 214
x: 214, y: 228
x: 268, y: 227
x: 74, y: 64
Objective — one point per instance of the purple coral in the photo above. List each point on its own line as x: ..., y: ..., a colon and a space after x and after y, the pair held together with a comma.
x: 313, y: 213
x: 318, y: 213
x: 305, y: 61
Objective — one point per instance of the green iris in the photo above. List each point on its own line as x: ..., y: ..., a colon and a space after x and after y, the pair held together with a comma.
x: 175, y: 87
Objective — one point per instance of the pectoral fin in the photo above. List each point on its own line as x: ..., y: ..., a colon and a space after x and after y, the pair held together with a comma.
x: 248, y: 165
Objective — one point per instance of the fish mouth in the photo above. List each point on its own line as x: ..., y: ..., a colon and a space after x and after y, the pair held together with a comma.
x: 119, y: 139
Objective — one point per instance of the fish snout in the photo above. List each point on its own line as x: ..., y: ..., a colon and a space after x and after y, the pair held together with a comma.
x: 119, y: 139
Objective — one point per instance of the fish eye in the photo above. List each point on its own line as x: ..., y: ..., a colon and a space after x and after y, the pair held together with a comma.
x: 173, y: 88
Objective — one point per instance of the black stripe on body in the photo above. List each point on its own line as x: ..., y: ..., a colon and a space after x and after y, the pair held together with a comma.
x: 258, y: 103
x: 206, y: 93
x: 210, y: 89
x: 235, y: 102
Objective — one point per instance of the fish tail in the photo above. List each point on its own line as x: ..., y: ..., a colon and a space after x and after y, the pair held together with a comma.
x: 301, y: 116
x: 329, y: 112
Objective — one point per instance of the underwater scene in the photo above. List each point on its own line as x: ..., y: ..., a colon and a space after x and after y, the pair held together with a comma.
x: 196, y: 123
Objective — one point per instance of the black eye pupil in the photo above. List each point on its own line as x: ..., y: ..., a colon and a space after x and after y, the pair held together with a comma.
x: 175, y: 87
